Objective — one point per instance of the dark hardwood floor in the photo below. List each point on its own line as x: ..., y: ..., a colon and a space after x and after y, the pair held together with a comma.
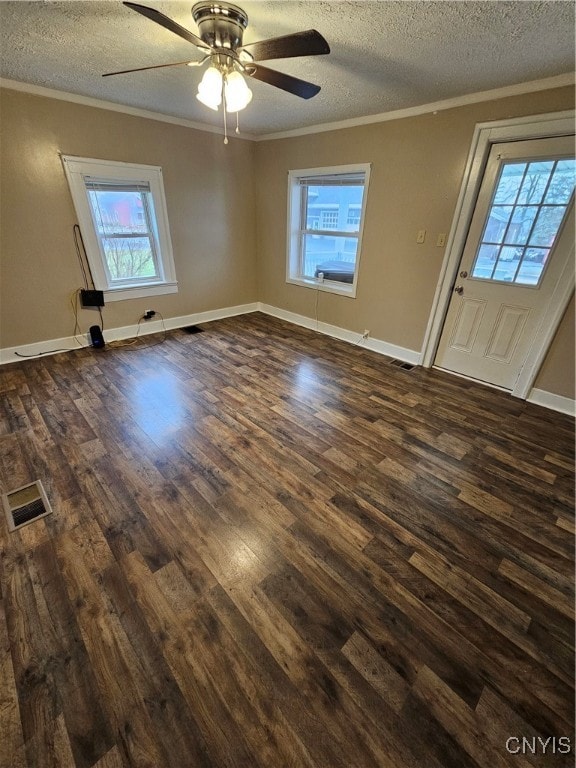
x: 276, y: 550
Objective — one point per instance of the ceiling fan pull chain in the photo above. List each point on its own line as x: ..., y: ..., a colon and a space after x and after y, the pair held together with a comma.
x: 224, y: 113
x: 237, y: 125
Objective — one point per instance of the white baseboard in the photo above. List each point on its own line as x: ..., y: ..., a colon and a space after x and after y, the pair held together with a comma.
x: 68, y: 343
x: 375, y: 345
x: 554, y: 402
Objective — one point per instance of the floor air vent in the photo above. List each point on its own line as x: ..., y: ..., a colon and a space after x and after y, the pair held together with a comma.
x: 25, y: 504
x: 402, y: 364
x: 193, y: 329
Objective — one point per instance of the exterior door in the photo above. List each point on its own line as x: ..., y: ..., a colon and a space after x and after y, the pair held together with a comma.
x: 519, y: 241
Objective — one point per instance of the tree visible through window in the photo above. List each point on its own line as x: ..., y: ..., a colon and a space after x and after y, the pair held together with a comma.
x: 124, y: 218
x: 122, y: 214
x: 529, y: 205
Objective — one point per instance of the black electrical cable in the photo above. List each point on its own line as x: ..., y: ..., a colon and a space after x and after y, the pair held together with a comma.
x: 74, y: 305
x: 112, y: 345
x: 48, y: 352
x: 83, y: 259
x: 121, y: 345
x: 77, y: 233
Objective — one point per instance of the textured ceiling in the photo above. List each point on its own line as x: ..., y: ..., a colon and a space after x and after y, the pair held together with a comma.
x: 385, y: 55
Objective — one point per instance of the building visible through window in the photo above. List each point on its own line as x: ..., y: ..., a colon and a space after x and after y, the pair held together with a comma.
x: 325, y: 226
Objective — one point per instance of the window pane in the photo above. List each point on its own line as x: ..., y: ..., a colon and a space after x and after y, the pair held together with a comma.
x: 334, y: 256
x: 129, y: 257
x: 521, y: 224
x: 117, y: 212
x: 529, y: 226
x: 532, y: 266
x: 497, y: 223
x: 535, y: 182
x: 562, y: 184
x: 353, y: 219
x: 485, y: 260
x: 507, y: 263
x: 329, y: 220
x: 547, y: 225
x: 329, y: 205
x: 509, y: 183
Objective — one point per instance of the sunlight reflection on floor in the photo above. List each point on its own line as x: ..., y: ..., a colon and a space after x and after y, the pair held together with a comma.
x: 157, y: 402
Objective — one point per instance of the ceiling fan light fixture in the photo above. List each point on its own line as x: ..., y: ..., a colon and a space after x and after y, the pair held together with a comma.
x: 221, y: 28
x: 207, y: 102
x: 237, y: 95
x: 210, y: 88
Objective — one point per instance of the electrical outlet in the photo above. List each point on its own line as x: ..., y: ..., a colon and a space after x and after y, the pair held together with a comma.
x: 148, y: 314
x: 421, y: 236
x: 441, y: 240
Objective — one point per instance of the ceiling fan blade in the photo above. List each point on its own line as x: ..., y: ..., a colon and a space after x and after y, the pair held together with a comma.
x: 287, y: 82
x: 141, y: 69
x: 307, y: 43
x: 164, y: 21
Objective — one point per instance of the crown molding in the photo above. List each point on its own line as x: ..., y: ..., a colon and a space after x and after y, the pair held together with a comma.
x: 558, y: 81
x: 532, y: 86
x: 88, y: 101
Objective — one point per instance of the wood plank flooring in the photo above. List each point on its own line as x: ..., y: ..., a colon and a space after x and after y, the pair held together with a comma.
x: 272, y: 549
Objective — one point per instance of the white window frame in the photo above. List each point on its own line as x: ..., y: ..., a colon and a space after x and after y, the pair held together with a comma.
x: 79, y: 171
x: 295, y: 229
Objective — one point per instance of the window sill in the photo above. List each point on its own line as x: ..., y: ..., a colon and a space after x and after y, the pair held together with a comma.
x: 139, y: 291
x: 328, y: 286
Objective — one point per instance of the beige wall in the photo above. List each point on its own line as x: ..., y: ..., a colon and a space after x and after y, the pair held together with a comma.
x: 417, y: 166
x: 210, y: 198
x: 557, y: 373
x: 220, y: 218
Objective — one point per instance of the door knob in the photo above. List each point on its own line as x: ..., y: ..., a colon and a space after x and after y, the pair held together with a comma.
x: 464, y: 274
x: 459, y: 289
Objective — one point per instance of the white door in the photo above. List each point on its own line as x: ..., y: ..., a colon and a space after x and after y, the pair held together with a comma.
x: 520, y: 239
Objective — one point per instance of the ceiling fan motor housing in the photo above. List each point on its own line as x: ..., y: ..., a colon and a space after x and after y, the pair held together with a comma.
x: 221, y: 25
x: 221, y: 28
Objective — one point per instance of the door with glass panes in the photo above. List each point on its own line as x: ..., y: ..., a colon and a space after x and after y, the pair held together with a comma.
x: 520, y: 238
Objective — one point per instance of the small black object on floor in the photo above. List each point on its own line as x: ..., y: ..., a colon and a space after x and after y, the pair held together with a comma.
x: 193, y: 329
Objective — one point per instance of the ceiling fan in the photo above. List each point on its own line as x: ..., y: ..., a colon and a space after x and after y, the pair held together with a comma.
x: 221, y: 26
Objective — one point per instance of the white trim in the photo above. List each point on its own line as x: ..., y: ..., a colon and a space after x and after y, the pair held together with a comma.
x: 544, y: 84
x: 532, y: 86
x: 8, y: 355
x: 544, y: 335
x: 554, y: 402
x: 326, y: 286
x: 294, y: 227
x: 140, y: 291
x: 485, y: 135
x: 68, y: 343
x: 77, y: 171
x: 352, y: 337
x: 89, y: 101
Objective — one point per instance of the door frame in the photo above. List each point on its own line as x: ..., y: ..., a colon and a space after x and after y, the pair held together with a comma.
x: 485, y: 135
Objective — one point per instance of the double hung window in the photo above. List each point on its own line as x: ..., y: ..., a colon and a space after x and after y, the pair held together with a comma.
x: 326, y: 209
x: 122, y: 214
